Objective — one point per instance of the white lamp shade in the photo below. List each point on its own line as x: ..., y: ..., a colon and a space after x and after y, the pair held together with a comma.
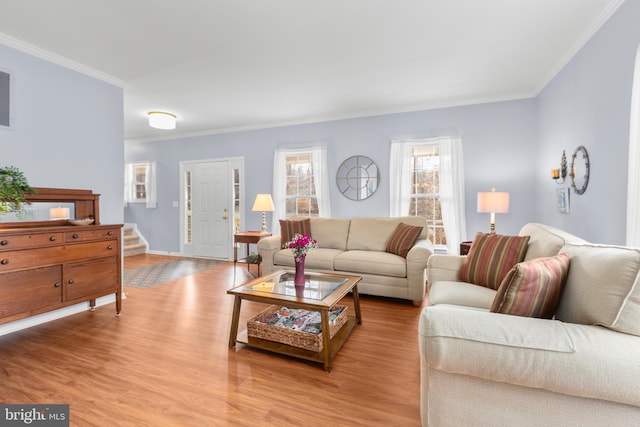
x: 495, y: 202
x: 160, y: 120
x: 263, y: 203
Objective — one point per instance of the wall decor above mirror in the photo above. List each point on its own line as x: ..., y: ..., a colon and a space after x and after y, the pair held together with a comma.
x: 580, y: 170
x: 358, y: 178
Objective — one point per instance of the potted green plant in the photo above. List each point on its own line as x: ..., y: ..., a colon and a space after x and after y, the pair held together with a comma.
x: 13, y: 189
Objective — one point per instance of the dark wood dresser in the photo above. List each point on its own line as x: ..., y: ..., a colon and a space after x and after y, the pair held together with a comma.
x: 46, y: 265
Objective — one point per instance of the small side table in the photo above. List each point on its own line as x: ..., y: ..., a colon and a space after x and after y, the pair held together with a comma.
x: 464, y: 247
x: 250, y: 238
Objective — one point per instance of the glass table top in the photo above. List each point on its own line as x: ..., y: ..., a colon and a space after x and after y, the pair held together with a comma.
x: 315, y: 287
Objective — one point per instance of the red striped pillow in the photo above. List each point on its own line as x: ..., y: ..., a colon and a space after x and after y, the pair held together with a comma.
x: 491, y: 257
x: 403, y: 239
x: 289, y: 228
x: 533, y: 288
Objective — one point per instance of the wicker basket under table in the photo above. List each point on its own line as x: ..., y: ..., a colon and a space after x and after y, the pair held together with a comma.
x: 294, y: 338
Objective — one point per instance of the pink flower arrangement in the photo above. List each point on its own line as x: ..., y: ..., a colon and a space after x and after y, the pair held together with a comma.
x: 300, y: 245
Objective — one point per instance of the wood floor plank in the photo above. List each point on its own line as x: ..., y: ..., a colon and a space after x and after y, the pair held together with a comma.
x: 166, y: 362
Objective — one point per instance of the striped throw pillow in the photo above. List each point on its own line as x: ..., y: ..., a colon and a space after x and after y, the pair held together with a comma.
x: 403, y: 239
x: 289, y: 228
x: 491, y: 257
x: 533, y: 288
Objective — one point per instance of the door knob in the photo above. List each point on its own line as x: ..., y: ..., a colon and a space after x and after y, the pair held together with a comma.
x: 225, y: 217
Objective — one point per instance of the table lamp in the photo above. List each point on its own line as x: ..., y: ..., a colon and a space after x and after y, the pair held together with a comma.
x: 493, y: 202
x: 263, y: 203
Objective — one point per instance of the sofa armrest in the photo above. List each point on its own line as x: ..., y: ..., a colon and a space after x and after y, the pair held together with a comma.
x: 417, y: 260
x: 444, y: 268
x: 267, y: 248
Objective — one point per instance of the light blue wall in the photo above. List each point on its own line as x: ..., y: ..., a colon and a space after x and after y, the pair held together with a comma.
x: 588, y: 103
x: 510, y: 145
x: 68, y: 130
x: 499, y: 145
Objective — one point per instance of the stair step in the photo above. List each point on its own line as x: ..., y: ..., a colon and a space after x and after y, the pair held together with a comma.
x: 135, y: 249
x: 131, y: 239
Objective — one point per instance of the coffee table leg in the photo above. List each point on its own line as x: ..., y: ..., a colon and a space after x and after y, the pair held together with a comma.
x: 235, y: 319
x: 356, y: 304
x: 326, y: 338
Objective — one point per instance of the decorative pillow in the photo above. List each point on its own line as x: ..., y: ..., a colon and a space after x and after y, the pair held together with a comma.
x: 533, y: 288
x: 289, y: 228
x: 403, y: 239
x: 491, y: 257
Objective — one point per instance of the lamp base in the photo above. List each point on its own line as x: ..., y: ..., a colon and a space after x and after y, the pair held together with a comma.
x: 264, y: 221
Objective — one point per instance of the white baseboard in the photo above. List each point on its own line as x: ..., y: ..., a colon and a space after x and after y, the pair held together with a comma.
x: 56, y: 314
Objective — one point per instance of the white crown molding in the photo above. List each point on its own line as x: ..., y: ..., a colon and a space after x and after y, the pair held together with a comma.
x: 59, y: 60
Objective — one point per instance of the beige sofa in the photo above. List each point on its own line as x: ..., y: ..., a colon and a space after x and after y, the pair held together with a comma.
x: 580, y: 369
x: 357, y: 246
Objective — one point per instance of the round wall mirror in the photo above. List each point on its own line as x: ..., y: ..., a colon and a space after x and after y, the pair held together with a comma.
x: 580, y: 170
x: 358, y: 178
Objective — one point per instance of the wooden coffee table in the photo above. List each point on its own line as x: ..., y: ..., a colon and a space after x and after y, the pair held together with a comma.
x: 322, y: 292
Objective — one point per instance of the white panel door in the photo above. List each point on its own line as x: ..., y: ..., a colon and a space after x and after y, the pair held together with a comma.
x: 211, y: 205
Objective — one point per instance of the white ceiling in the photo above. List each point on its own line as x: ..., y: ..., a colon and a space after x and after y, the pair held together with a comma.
x: 224, y: 65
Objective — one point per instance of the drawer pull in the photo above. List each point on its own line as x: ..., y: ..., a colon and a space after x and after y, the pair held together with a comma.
x: 4, y: 243
x: 4, y: 261
x: 53, y: 238
x: 110, y: 247
x: 57, y: 284
x: 70, y: 281
x: 110, y: 233
x: 75, y: 236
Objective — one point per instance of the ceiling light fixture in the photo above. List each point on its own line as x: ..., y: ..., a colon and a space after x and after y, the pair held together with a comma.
x: 160, y: 120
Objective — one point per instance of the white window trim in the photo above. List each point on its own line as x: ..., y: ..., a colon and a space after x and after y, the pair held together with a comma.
x: 320, y: 178
x: 150, y: 184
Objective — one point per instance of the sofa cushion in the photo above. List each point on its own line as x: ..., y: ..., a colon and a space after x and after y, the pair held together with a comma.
x: 321, y: 258
x: 371, y: 262
x: 372, y: 234
x: 403, y: 239
x: 533, y: 288
x: 491, y: 257
x: 330, y: 232
x: 291, y: 227
x: 602, y: 287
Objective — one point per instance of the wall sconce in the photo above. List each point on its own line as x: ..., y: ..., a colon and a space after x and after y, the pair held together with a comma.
x: 493, y: 203
x: 263, y: 203
x: 160, y: 120
x: 556, y: 174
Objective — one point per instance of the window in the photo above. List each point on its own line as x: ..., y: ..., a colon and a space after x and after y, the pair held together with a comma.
x: 300, y: 184
x: 427, y: 180
x: 425, y: 190
x: 139, y: 183
x: 188, y: 214
x: 300, y: 193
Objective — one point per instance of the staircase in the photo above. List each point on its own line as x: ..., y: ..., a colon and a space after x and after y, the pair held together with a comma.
x: 133, y: 242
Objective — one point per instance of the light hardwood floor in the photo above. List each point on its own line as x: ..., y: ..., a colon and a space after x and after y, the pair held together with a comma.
x: 165, y: 362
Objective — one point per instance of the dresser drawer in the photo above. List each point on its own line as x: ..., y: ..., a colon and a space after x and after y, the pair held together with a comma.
x: 90, y: 278
x: 30, y: 290
x: 91, y: 233
x: 16, y: 260
x: 31, y: 241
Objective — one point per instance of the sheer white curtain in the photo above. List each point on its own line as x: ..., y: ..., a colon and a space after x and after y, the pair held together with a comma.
x: 400, y: 178
x: 451, y: 184
x: 320, y: 178
x: 452, y: 192
x: 633, y: 186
